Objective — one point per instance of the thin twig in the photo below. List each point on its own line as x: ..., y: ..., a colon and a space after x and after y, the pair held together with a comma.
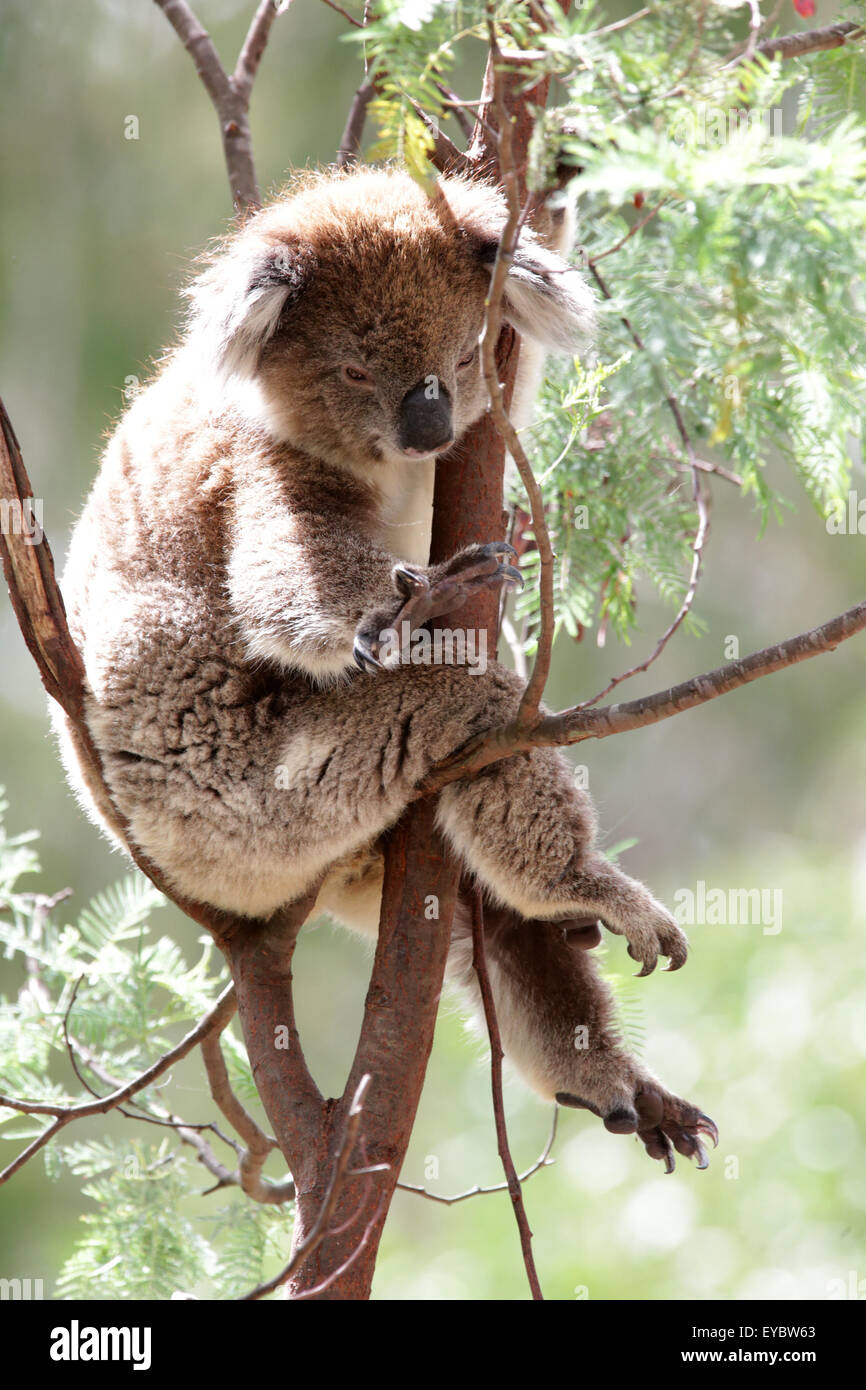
x: 632, y: 231
x: 715, y: 468
x: 254, y: 45
x: 701, y: 502
x: 65, y: 1114
x: 531, y: 699
x: 457, y: 107
x: 350, y: 142
x: 229, y: 95
x: 259, y: 1145
x: 332, y: 5
x: 755, y: 22
x: 266, y: 1193
x: 618, y: 24
x: 515, y: 1191
x: 543, y: 1161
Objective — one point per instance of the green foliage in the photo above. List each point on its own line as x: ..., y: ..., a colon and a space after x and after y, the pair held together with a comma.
x: 743, y: 290
x: 132, y: 992
x: 139, y: 1243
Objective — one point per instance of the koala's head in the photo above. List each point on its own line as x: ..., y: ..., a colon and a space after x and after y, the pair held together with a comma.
x: 355, y: 305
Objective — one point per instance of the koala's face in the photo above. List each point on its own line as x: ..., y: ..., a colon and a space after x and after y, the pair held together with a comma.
x: 356, y: 306
x: 378, y: 357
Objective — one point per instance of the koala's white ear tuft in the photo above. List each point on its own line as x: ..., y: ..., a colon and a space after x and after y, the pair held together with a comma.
x: 238, y: 303
x: 547, y: 299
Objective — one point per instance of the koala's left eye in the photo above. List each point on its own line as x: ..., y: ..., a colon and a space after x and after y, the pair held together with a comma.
x: 469, y: 358
x: 356, y: 376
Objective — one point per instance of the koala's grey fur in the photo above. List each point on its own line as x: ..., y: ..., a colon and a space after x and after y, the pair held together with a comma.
x: 239, y: 549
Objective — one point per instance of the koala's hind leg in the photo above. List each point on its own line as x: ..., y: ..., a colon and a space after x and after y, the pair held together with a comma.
x: 555, y: 1017
x: 528, y: 832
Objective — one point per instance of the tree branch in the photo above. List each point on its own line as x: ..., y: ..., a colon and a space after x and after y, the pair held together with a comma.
x: 531, y: 699
x: 515, y: 1191
x: 229, y: 95
x: 350, y: 142
x: 321, y: 1227
x: 543, y: 1161
x: 813, y: 41
x: 259, y: 1145
x: 217, y: 1017
x: 579, y: 723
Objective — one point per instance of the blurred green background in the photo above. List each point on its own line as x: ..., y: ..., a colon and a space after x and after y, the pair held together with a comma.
x: 764, y: 789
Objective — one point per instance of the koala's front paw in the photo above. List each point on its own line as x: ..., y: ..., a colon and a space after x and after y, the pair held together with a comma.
x: 429, y: 593
x: 653, y: 934
x: 466, y: 574
x: 663, y: 1122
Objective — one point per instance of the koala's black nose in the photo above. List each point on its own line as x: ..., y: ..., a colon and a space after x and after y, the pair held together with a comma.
x: 424, y: 420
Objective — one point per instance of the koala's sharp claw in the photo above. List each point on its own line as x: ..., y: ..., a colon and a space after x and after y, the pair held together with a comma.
x: 648, y: 966
x: 665, y: 1124
x: 409, y: 583
x: 707, y: 1126
x: 511, y: 575
x: 677, y: 948
x: 365, y: 658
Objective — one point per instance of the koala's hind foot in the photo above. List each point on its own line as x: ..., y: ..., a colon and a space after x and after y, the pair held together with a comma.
x: 663, y: 1122
x: 556, y: 1020
x: 429, y: 592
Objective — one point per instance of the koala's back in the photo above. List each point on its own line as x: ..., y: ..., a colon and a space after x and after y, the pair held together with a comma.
x: 176, y: 708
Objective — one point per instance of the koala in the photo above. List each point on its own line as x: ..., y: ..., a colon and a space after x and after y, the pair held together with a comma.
x: 261, y: 517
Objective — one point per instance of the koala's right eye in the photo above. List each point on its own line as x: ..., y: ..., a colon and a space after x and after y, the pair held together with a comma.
x: 356, y: 376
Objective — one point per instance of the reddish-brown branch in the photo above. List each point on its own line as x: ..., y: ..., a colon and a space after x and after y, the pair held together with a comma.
x: 515, y: 1191
x: 813, y: 41
x: 579, y: 723
x: 323, y: 1226
x: 510, y: 180
x: 396, y: 1036
x: 259, y: 1145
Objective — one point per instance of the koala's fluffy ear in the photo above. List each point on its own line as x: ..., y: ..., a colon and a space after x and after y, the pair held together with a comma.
x: 546, y: 298
x: 238, y: 302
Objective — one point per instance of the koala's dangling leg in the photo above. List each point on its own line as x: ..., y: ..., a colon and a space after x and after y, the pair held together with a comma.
x: 556, y: 1020
x: 528, y: 833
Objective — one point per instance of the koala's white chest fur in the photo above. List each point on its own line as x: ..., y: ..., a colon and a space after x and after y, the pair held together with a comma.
x: 407, y: 509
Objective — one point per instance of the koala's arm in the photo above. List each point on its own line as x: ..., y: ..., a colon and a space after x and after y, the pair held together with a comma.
x: 303, y: 568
